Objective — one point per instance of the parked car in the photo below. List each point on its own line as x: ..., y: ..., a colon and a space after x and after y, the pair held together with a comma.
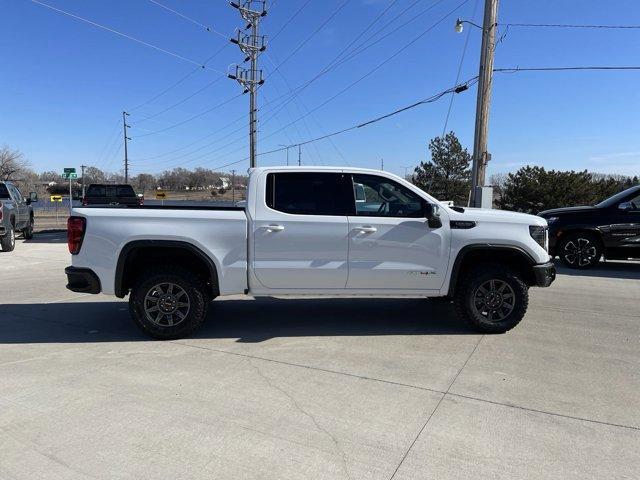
x: 109, y: 194
x: 305, y: 231
x: 581, y: 235
x: 16, y: 215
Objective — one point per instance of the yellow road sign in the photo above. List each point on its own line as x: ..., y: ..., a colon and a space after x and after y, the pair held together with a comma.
x: 160, y: 195
x: 55, y: 198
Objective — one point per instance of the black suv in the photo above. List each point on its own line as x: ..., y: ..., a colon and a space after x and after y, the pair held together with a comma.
x: 105, y: 194
x: 581, y: 235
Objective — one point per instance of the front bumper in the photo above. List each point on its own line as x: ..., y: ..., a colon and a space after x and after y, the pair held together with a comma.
x: 544, y: 274
x: 82, y: 280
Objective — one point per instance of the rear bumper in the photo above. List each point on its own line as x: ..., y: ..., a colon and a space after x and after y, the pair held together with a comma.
x: 3, y: 230
x: 544, y: 274
x: 82, y: 280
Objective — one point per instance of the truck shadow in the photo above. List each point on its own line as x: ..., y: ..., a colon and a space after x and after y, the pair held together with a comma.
x: 46, y: 236
x: 245, y: 320
x: 610, y: 269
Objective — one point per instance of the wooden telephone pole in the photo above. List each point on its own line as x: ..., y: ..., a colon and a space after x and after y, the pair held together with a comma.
x: 480, y: 155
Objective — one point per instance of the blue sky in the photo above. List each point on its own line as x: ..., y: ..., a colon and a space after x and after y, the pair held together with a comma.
x: 64, y: 85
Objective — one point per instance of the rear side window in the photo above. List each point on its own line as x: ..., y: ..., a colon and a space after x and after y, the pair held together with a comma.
x: 96, y: 191
x: 309, y: 193
x: 4, y: 192
x: 125, y: 191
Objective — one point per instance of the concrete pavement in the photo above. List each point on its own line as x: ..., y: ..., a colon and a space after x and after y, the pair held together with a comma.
x: 317, y: 388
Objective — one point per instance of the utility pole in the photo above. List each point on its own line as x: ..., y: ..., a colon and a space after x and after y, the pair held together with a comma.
x: 233, y: 185
x: 126, y: 152
x: 299, y: 155
x: 252, y: 45
x: 83, y: 167
x: 382, y: 164
x: 485, y: 76
x: 287, y: 148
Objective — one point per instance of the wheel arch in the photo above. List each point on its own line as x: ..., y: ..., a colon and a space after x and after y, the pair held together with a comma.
x: 512, y: 255
x: 136, y: 252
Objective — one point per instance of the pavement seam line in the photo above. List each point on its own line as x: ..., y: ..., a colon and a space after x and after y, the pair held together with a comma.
x: 406, y: 454
x: 352, y: 375
x: 295, y: 403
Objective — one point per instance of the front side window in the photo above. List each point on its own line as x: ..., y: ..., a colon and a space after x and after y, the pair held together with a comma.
x: 309, y: 193
x: 382, y: 197
x: 17, y: 196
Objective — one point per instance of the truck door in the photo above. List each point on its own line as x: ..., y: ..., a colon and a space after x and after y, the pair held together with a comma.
x: 391, y: 246
x: 623, y: 235
x: 300, y: 233
x: 22, y: 210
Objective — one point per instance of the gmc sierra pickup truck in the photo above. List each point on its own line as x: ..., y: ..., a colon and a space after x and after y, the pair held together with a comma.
x: 16, y: 215
x: 310, y: 231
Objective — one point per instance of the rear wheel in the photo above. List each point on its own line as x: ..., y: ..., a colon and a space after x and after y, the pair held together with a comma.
x: 168, y: 303
x: 27, y: 232
x: 8, y: 242
x: 580, y: 250
x: 491, y: 299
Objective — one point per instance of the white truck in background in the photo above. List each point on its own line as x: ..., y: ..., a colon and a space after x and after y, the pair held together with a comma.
x: 310, y: 231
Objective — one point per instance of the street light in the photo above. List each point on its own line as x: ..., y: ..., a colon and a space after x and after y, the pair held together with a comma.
x: 460, y: 25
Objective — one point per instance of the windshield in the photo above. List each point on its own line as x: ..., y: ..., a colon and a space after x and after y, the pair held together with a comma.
x: 618, y: 197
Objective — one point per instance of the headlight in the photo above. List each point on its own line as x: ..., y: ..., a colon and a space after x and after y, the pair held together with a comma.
x: 551, y: 220
x: 540, y: 235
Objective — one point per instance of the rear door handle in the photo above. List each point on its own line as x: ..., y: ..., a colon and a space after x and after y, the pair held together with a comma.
x: 273, y: 228
x: 366, y: 229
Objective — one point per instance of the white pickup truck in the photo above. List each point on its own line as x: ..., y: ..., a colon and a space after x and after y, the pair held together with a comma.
x: 310, y: 231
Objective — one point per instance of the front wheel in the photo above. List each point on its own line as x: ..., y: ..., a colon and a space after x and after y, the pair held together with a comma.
x: 27, y: 232
x: 492, y: 299
x: 580, y: 250
x: 8, y: 242
x: 168, y: 303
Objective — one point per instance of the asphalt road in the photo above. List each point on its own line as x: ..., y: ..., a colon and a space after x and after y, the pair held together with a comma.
x: 317, y: 388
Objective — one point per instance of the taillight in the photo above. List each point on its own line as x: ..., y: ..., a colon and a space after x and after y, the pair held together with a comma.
x: 75, y: 233
x: 84, y: 202
x: 141, y: 200
x: 1, y: 210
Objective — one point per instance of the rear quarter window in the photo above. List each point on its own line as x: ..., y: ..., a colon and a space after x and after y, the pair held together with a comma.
x: 4, y: 192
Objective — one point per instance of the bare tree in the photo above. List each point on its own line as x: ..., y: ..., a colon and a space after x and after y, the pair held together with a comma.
x: 13, y: 165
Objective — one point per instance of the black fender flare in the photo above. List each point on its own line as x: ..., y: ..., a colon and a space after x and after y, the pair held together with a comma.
x: 484, y: 247
x: 120, y: 290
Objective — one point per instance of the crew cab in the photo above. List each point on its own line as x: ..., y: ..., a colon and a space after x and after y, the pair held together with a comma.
x: 310, y: 231
x: 16, y: 215
x: 580, y: 236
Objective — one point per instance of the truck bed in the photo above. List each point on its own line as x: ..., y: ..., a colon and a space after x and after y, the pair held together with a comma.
x: 219, y: 232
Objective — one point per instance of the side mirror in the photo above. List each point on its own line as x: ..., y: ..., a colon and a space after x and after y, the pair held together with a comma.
x: 33, y: 197
x: 432, y: 214
x: 625, y: 206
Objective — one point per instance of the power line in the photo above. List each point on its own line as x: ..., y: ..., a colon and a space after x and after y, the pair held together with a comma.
x: 377, y: 67
x: 464, y: 51
x: 206, y: 27
x: 124, y: 35
x: 337, y: 61
x: 198, y: 115
x: 556, y: 69
x: 181, y: 101
x: 291, y: 18
x: 562, y: 25
x: 181, y: 80
x: 315, y: 32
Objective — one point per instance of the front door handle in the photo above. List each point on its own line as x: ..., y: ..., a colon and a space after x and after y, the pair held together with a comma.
x: 273, y: 228
x: 366, y: 229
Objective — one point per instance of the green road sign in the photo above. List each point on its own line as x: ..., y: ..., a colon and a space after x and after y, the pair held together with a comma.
x: 68, y: 176
x: 70, y: 170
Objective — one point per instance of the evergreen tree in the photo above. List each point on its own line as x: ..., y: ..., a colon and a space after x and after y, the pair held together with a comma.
x: 447, y: 175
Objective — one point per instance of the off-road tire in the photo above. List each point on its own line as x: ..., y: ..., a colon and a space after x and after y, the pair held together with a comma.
x: 577, y: 239
x: 27, y: 232
x: 469, y: 286
x: 8, y: 240
x: 185, y: 280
